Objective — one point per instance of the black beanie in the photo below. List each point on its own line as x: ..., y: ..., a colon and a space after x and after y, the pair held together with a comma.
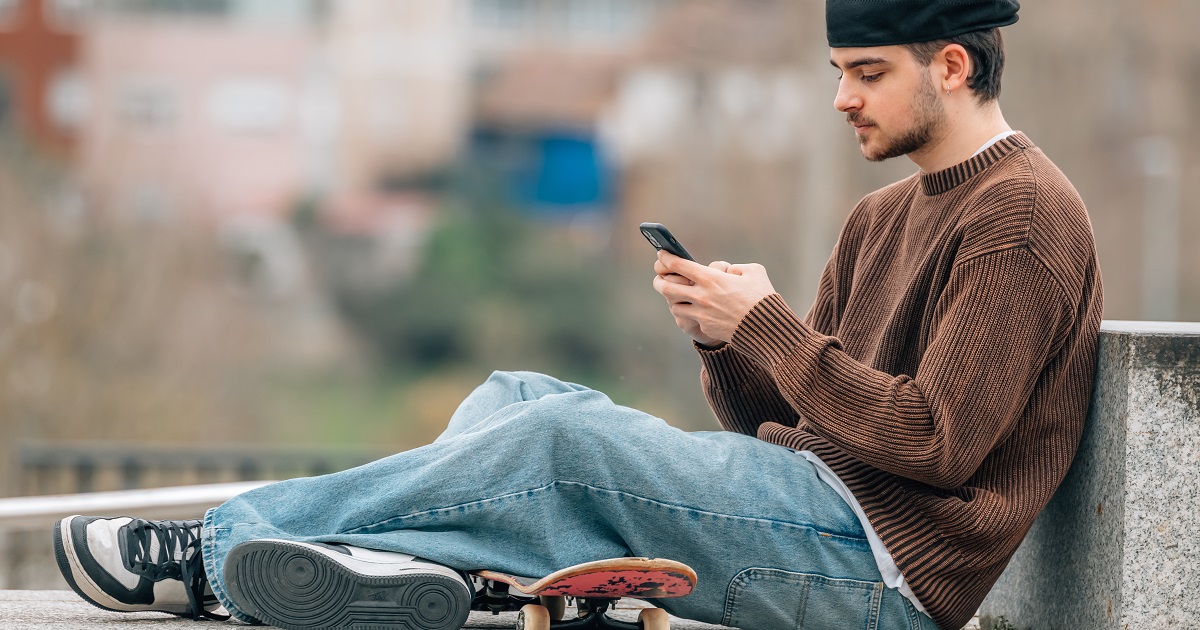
x: 865, y: 23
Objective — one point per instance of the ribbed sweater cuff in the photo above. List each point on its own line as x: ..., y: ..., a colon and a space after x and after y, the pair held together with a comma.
x: 725, y: 366
x: 771, y: 332
x: 776, y: 433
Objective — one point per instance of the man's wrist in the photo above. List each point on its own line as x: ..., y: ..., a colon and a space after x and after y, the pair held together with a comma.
x: 771, y: 331
x: 717, y: 345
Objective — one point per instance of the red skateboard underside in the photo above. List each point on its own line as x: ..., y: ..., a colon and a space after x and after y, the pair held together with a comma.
x: 617, y: 584
x: 621, y: 577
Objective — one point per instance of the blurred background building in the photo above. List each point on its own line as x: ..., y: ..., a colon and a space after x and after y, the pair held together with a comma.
x: 305, y: 227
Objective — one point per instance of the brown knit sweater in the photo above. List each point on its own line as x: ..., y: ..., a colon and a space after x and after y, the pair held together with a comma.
x: 945, y: 368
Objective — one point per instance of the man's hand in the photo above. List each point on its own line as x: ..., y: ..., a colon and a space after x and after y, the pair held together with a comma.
x: 709, y: 302
x: 689, y: 326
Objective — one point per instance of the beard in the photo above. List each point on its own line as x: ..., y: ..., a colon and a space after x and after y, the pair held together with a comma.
x: 930, y: 115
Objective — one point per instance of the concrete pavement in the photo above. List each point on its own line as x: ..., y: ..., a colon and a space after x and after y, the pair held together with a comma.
x: 30, y: 610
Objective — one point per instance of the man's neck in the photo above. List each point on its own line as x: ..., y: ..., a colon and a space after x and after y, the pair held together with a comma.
x: 964, y: 132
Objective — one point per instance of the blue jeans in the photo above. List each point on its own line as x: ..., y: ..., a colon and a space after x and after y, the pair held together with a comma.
x: 534, y: 474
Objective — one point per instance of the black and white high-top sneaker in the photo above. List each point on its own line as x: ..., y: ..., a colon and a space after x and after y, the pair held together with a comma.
x: 314, y: 585
x: 129, y: 565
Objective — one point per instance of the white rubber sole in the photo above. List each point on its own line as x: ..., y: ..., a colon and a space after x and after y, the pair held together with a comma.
x: 298, y: 585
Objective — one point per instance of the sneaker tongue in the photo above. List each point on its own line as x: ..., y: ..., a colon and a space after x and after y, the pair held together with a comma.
x: 155, y: 552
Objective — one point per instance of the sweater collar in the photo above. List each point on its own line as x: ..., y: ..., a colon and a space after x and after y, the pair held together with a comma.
x: 944, y: 180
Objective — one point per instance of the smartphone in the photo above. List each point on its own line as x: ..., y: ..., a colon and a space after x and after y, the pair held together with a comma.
x: 661, y: 238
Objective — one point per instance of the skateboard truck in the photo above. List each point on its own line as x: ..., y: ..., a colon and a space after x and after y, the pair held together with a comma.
x: 592, y: 613
x: 494, y: 597
x: 591, y: 617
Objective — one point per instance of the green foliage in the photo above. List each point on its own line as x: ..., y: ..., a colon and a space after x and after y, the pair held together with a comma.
x: 494, y: 289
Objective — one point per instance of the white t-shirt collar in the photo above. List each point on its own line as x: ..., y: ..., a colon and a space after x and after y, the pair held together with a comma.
x: 1000, y: 136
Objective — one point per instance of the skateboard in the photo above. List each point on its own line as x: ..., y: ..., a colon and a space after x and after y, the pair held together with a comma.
x: 594, y: 587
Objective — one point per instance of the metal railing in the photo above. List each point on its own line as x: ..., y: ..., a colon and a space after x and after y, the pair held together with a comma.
x: 59, y: 468
x: 176, y: 502
x: 26, y: 553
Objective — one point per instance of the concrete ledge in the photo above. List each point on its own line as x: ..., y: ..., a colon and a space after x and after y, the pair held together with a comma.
x: 1118, y: 545
x: 64, y: 609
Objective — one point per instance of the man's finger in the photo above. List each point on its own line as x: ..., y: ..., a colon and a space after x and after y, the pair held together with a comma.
x: 662, y: 270
x: 682, y: 266
x: 746, y: 269
x: 684, y: 310
x: 673, y: 291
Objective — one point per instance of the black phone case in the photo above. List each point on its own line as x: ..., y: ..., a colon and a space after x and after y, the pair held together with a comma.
x: 661, y: 238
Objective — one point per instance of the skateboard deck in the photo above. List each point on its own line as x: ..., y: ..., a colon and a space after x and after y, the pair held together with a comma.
x: 595, y: 588
x: 639, y: 578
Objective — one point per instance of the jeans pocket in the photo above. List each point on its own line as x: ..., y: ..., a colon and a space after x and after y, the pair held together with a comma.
x: 773, y: 599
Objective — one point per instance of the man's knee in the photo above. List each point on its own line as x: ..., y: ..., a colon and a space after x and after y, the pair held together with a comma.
x: 583, y: 416
x: 534, y: 385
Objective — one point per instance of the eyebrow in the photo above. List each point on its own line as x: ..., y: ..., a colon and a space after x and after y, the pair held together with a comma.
x: 864, y: 61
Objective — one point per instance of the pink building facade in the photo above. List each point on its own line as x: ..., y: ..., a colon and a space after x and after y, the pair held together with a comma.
x: 198, y: 119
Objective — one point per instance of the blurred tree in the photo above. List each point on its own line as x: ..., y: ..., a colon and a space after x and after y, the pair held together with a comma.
x: 119, y: 331
x: 492, y: 289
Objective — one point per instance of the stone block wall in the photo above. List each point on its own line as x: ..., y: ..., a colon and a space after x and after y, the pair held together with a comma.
x: 1118, y: 547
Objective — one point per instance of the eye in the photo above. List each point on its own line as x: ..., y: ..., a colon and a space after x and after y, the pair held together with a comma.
x: 871, y: 78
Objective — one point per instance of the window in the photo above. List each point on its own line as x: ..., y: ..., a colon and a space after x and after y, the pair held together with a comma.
x: 9, y: 9
x: 250, y: 105
x: 512, y: 15
x: 200, y: 8
x: 292, y: 12
x: 149, y: 201
x: 68, y: 15
x: 6, y: 101
x: 286, y: 12
x: 148, y: 104
x: 590, y: 17
x: 67, y: 99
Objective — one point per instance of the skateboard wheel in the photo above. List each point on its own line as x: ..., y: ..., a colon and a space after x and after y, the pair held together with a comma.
x: 533, y: 617
x: 556, y: 605
x: 654, y: 619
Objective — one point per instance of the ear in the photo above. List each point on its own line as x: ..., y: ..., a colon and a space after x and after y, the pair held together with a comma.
x: 953, y: 66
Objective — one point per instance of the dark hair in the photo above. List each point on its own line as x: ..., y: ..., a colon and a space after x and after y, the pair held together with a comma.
x: 986, y: 49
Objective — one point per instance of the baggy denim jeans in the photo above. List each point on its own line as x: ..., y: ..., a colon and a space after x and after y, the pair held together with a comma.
x: 534, y: 474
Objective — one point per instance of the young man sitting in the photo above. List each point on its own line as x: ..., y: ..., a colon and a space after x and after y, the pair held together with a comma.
x: 883, y: 456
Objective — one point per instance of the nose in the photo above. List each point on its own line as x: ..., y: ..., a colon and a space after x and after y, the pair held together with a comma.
x: 847, y: 99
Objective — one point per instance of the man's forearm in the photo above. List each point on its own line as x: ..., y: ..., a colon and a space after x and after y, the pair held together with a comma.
x: 741, y: 394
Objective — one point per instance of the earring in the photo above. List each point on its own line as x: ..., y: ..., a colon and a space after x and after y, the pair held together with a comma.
x: 948, y: 90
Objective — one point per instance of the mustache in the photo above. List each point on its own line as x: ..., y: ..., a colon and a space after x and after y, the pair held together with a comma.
x: 856, y: 118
